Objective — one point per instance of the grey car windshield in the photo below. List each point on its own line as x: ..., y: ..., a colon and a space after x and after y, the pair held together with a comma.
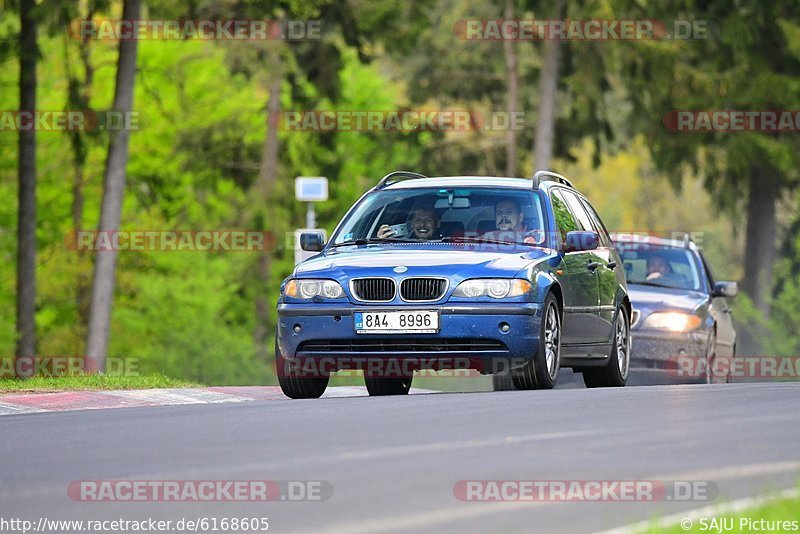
x: 435, y: 214
x: 661, y: 266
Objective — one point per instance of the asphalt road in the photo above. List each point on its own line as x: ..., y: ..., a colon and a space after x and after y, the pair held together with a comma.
x: 392, y: 463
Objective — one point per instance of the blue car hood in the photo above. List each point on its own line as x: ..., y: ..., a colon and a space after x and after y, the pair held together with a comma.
x: 651, y: 298
x: 423, y: 259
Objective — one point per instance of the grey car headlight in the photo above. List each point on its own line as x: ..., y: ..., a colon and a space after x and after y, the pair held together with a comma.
x: 673, y: 321
x: 309, y: 289
x: 498, y: 288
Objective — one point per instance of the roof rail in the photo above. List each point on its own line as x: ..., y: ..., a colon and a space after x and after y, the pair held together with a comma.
x: 398, y: 176
x: 547, y: 176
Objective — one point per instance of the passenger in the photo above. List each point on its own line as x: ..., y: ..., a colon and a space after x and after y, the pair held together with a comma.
x: 510, y: 224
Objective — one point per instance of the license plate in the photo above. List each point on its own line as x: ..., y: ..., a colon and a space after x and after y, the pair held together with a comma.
x: 397, y: 322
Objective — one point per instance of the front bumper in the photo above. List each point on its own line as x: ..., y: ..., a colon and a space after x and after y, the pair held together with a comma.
x: 470, y: 337
x: 666, y: 355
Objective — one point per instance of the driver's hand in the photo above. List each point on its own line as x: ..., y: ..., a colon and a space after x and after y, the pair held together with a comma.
x: 384, y: 231
x: 653, y: 276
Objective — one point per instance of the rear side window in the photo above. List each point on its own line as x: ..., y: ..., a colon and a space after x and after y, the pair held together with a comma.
x: 598, y: 223
x: 565, y: 221
x: 577, y: 210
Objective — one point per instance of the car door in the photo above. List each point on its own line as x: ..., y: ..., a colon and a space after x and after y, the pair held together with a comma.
x: 720, y: 310
x: 581, y: 291
x: 607, y: 279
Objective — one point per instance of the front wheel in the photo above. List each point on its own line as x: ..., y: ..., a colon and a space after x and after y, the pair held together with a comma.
x: 293, y: 382
x: 541, y: 372
x: 615, y: 372
x: 503, y: 381
x: 388, y: 386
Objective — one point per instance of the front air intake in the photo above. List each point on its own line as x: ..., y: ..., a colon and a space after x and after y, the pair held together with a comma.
x: 373, y: 289
x: 423, y: 289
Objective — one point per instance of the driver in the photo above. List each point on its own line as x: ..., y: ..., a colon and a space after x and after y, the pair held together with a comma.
x: 424, y: 224
x: 658, y: 268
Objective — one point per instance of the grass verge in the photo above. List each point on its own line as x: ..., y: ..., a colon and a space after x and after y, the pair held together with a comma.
x: 51, y: 384
x: 779, y: 515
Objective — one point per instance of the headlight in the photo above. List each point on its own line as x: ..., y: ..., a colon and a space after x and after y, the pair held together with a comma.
x: 308, y: 289
x: 497, y: 288
x: 672, y: 321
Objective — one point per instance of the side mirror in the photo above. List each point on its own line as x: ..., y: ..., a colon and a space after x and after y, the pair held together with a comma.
x: 725, y: 289
x: 581, y: 241
x: 312, y: 241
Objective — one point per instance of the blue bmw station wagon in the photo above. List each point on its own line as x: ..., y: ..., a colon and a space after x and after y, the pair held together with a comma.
x: 501, y: 275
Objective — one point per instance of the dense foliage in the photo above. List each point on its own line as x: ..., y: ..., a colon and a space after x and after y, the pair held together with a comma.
x: 196, y: 157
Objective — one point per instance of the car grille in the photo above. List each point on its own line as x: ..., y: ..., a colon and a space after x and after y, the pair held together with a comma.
x: 373, y: 289
x: 422, y: 289
x: 401, y: 345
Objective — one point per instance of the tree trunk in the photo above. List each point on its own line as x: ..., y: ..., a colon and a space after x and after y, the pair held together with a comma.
x: 760, y: 238
x: 26, y: 223
x: 548, y: 84
x: 111, y: 210
x: 512, y: 81
x: 83, y: 95
x: 265, y: 186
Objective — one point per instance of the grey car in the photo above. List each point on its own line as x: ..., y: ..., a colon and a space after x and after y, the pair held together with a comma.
x: 681, y: 322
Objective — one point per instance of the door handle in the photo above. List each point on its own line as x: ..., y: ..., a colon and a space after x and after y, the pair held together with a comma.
x: 727, y: 310
x: 592, y: 265
x: 611, y: 265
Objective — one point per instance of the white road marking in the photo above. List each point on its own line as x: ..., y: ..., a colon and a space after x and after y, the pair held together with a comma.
x: 436, y: 517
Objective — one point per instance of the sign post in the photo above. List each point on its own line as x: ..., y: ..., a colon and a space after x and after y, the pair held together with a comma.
x: 308, y: 189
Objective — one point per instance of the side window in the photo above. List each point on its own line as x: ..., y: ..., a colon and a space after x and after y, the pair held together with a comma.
x: 709, y: 274
x: 577, y: 210
x: 598, y: 223
x: 565, y: 221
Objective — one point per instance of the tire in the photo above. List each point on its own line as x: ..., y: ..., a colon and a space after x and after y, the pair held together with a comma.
x: 541, y: 372
x: 615, y: 372
x: 503, y: 381
x: 293, y: 384
x: 388, y: 386
x: 711, y: 357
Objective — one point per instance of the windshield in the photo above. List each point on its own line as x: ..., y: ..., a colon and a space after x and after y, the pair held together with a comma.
x: 660, y: 266
x: 434, y: 214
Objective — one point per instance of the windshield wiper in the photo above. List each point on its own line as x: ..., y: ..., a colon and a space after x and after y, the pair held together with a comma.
x: 469, y: 239
x: 375, y: 240
x: 653, y: 284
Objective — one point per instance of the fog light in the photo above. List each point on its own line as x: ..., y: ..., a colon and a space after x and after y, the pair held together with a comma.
x: 297, y: 329
x: 504, y: 327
